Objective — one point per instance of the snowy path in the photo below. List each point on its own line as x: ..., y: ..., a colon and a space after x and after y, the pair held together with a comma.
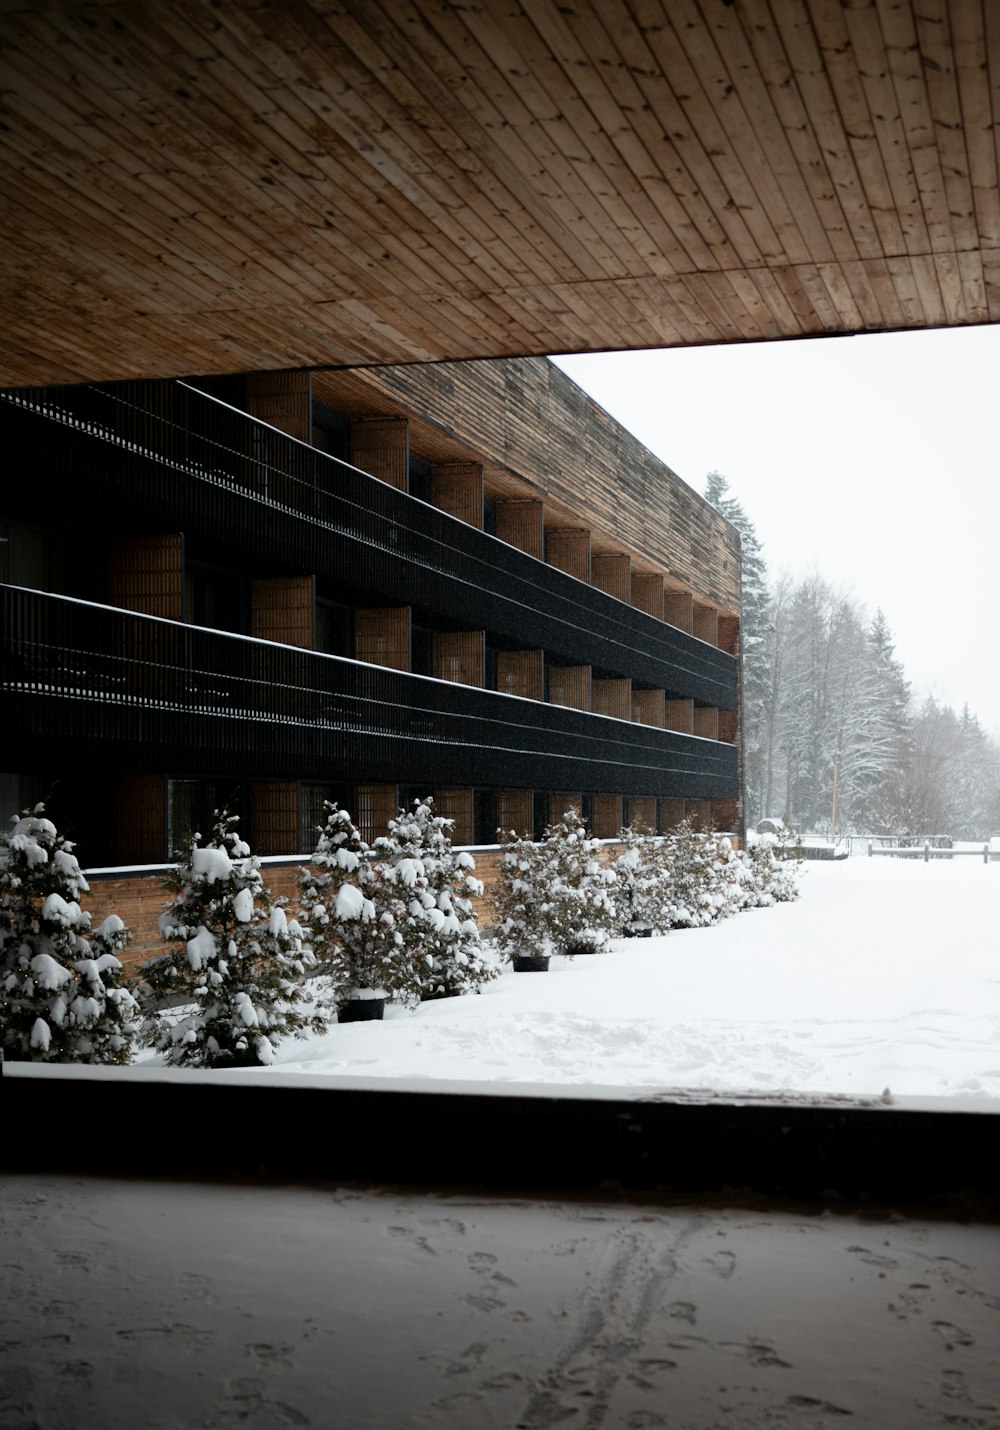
x: 885, y: 974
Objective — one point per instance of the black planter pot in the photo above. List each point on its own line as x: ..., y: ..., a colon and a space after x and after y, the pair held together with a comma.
x: 361, y: 1010
x: 579, y: 950
x: 531, y: 962
x: 639, y: 933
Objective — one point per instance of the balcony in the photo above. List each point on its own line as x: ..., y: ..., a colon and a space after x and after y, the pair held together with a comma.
x: 84, y: 683
x: 169, y: 456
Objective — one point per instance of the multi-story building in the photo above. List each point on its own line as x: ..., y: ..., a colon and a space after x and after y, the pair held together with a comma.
x: 269, y: 590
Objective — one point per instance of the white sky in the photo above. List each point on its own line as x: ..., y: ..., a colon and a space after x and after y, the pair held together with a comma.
x: 871, y: 460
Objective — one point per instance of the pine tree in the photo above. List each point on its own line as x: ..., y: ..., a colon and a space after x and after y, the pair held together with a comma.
x: 61, y: 994
x: 755, y: 627
x: 643, y: 897
x: 240, y: 963
x: 355, y: 904
x: 555, y: 896
x: 444, y: 921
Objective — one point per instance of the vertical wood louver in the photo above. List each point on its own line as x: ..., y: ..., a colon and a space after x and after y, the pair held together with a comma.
x: 521, y: 672
x: 283, y: 608
x: 382, y: 636
x: 457, y: 488
x: 522, y: 524
x: 380, y: 446
x: 568, y: 549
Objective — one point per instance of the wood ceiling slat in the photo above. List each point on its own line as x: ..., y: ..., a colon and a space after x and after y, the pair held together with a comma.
x: 908, y: 68
x: 809, y: 237
x: 762, y: 192
x: 607, y: 106
x: 702, y: 118
x: 868, y: 41
x: 948, y: 137
x: 792, y: 67
x: 528, y: 136
x: 830, y: 23
x: 970, y: 267
x: 355, y: 110
x: 865, y: 297
x: 842, y: 296
x: 975, y: 80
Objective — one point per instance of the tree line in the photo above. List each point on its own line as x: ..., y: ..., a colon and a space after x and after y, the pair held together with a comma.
x: 832, y: 728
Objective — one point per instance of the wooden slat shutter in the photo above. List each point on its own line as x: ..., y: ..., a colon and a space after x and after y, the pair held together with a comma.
x: 456, y: 804
x: 612, y: 697
x: 568, y: 548
x: 457, y: 488
x: 521, y: 672
x: 678, y: 609
x: 282, y: 400
x: 460, y: 656
x: 374, y: 806
x: 706, y: 722
x: 382, y: 636
x: 140, y: 818
x: 521, y: 524
x: 729, y: 726
x: 649, y: 707
x: 729, y: 634
x: 283, y: 608
x: 381, y: 447
x: 640, y: 812
x: 612, y: 572
x: 274, y: 809
x: 146, y: 573
x: 570, y: 685
x: 672, y: 812
x: 515, y: 810
x: 605, y: 815
x: 647, y: 593
x: 679, y: 715
x: 706, y: 624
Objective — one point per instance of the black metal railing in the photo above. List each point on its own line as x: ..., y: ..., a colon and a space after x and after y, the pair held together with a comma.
x: 86, y: 683
x: 166, y: 453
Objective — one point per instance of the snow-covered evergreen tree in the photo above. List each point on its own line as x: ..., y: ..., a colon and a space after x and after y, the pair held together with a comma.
x: 444, y: 925
x: 62, y: 998
x: 644, y: 895
x: 237, y: 973
x: 355, y: 905
x: 555, y: 896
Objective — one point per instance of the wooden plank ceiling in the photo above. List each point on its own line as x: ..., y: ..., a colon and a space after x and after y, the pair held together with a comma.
x: 201, y: 187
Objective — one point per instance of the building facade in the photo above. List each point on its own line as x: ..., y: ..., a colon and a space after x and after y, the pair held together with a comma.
x: 270, y: 590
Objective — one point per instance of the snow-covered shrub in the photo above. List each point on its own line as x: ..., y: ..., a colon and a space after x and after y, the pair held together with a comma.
x: 442, y: 923
x: 61, y: 994
x: 773, y: 870
x: 555, y: 896
x: 233, y: 987
x: 644, y: 896
x: 706, y: 877
x: 355, y: 905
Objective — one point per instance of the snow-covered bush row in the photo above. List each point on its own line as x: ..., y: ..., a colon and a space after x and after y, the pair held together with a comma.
x: 394, y: 919
x: 556, y: 896
x: 62, y: 998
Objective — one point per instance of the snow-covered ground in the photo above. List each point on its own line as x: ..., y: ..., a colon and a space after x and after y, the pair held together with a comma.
x: 886, y: 973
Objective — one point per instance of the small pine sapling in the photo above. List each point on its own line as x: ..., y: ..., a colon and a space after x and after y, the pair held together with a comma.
x: 517, y: 898
x: 233, y: 988
x: 62, y: 998
x: 443, y: 921
x: 579, y: 905
x: 642, y: 885
x: 355, y: 907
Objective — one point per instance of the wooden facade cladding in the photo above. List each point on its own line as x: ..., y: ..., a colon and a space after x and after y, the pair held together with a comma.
x: 283, y: 400
x: 380, y: 446
x: 605, y: 816
x: 283, y: 608
x: 457, y: 488
x: 460, y: 656
x: 139, y: 805
x: 649, y: 707
x: 647, y: 593
x: 570, y: 685
x: 521, y: 672
x: 706, y: 722
x: 382, y: 636
x: 568, y: 549
x: 678, y: 610
x: 374, y: 806
x: 275, y: 814
x: 458, y: 805
x: 672, y: 813
x: 729, y: 726
x: 522, y: 524
x: 729, y: 634
x: 146, y: 574
x: 536, y: 432
x: 640, y: 813
x: 679, y: 715
x: 515, y: 811
x: 706, y: 624
x: 611, y: 571
x: 612, y: 697
x: 699, y: 813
